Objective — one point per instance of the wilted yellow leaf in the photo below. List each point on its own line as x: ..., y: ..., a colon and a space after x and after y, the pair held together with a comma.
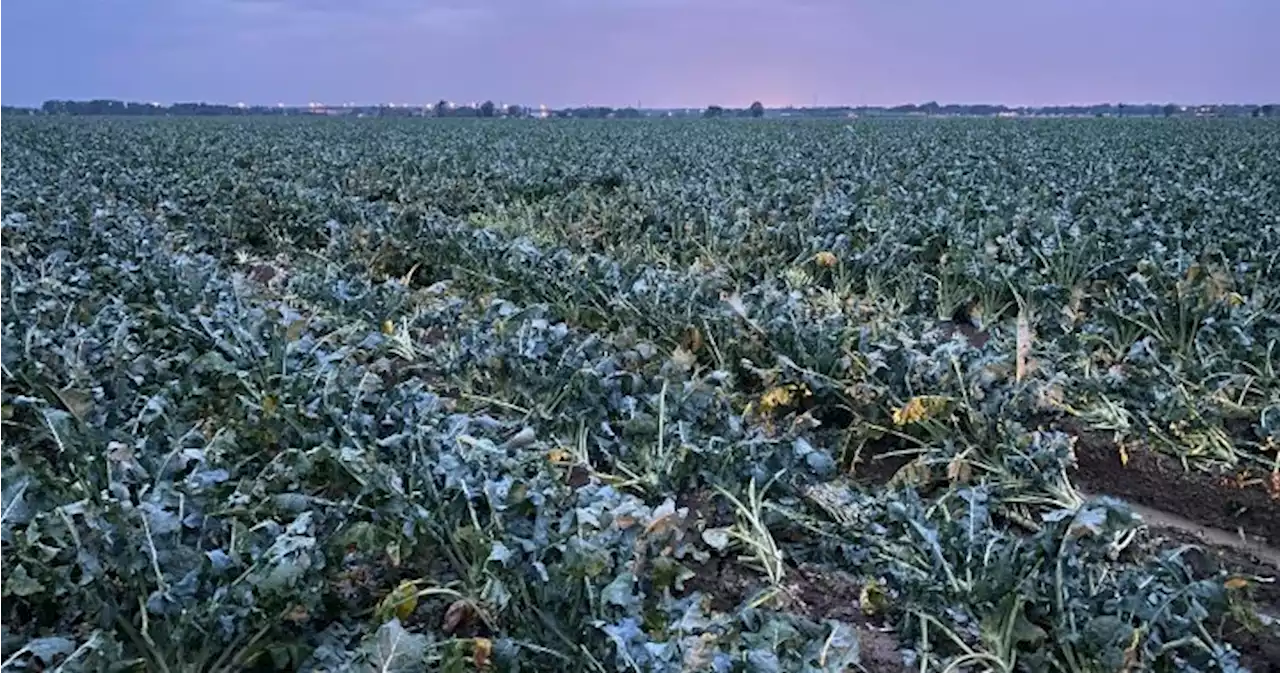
x: 1124, y: 455
x: 401, y: 602
x: 1132, y: 654
x: 873, y: 599
x: 826, y: 259
x: 780, y: 397
x: 919, y: 408
x: 559, y: 456
x: 1236, y: 583
x: 388, y: 327
x: 481, y: 650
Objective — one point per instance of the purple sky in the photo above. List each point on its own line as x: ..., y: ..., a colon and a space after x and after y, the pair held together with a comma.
x: 657, y: 52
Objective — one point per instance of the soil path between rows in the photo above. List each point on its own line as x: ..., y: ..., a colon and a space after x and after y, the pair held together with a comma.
x: 1245, y: 506
x: 1232, y: 518
x: 1216, y: 537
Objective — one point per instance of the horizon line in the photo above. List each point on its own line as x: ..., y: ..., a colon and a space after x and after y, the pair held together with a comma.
x: 397, y: 104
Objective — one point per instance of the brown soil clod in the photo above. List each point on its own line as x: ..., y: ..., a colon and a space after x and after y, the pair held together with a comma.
x: 808, y: 591
x: 877, y: 468
x: 820, y: 594
x: 1217, y: 500
x: 976, y: 337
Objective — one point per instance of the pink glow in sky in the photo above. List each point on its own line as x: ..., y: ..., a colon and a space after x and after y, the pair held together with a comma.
x: 661, y: 53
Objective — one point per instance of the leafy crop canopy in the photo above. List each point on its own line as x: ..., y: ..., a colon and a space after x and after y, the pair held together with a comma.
x: 653, y: 396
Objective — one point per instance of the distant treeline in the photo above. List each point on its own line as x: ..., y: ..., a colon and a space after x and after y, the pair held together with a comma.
x: 104, y: 107
x: 127, y: 108
x: 10, y: 110
x: 982, y: 110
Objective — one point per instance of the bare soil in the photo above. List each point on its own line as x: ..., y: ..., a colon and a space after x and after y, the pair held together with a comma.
x: 1233, y: 520
x: 877, y: 464
x: 1224, y: 500
x: 810, y: 591
x: 1250, y: 551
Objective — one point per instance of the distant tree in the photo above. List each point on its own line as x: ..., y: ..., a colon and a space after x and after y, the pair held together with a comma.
x: 1267, y: 110
x: 590, y: 112
x: 514, y: 111
x: 442, y: 108
x: 487, y: 109
x: 713, y: 112
x: 1169, y: 110
x: 757, y: 109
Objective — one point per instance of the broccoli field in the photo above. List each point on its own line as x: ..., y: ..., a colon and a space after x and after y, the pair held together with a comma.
x: 652, y: 395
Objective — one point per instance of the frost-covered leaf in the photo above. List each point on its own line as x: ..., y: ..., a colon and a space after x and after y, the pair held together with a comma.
x: 46, y: 649
x: 393, y: 648
x: 716, y: 538
x: 14, y: 510
x: 620, y: 591
x: 841, y: 651
x: 257, y: 374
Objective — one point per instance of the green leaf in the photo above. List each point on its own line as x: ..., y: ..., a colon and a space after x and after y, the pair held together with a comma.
x: 20, y: 583
x: 213, y: 361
